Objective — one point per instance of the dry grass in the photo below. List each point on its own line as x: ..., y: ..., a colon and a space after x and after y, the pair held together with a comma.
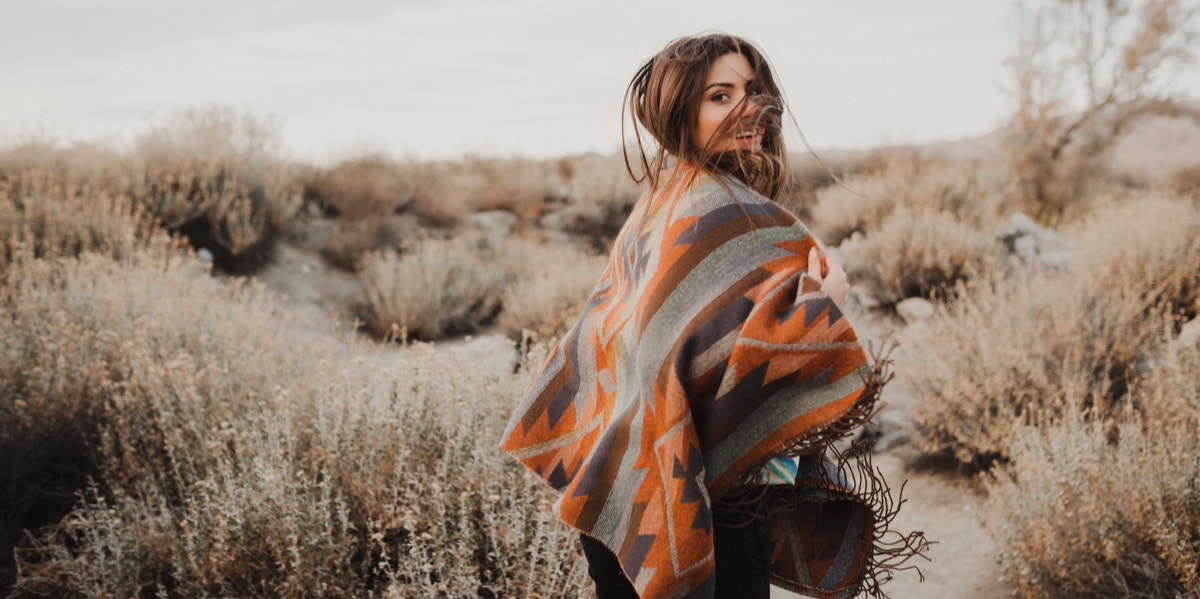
x: 1107, y: 509
x: 442, y: 287
x: 232, y: 458
x: 546, y: 302
x: 215, y: 175
x: 360, y: 188
x: 922, y: 255
x: 1015, y: 349
x: 909, y: 183
x: 44, y: 214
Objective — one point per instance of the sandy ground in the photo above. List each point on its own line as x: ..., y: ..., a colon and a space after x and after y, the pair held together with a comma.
x: 962, y: 560
x: 943, y: 505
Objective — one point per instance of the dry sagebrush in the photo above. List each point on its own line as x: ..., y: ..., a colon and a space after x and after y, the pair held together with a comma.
x: 451, y: 286
x: 547, y: 300
x: 45, y: 214
x: 232, y: 458
x: 866, y: 202
x: 1015, y: 349
x: 919, y: 255
x: 215, y: 175
x: 1107, y: 509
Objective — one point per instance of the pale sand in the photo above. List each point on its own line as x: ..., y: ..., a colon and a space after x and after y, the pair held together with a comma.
x: 962, y: 562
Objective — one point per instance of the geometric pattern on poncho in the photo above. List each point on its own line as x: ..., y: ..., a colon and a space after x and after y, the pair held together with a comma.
x: 702, y: 352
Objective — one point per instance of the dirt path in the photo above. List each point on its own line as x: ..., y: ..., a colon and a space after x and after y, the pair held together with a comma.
x: 962, y: 562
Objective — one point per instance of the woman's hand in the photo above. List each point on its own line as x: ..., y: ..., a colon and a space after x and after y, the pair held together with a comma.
x: 829, y: 274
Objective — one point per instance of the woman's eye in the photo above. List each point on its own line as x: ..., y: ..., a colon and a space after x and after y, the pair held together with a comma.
x: 721, y: 97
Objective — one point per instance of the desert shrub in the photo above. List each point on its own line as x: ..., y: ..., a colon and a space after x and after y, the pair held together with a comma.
x: 1081, y: 74
x: 1187, y: 182
x: 1107, y: 509
x: 349, y: 242
x: 45, y: 214
x: 807, y: 175
x: 921, y: 255
x: 365, y: 187
x: 215, y: 176
x: 547, y: 301
x: 230, y: 459
x: 865, y: 203
x: 1014, y: 350
x: 84, y: 162
x: 439, y: 288
x: 447, y: 514
x: 443, y: 192
x: 76, y: 337
x: 1147, y: 244
x: 600, y: 197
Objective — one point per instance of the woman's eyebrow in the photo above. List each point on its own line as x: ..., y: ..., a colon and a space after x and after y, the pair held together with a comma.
x: 719, y: 84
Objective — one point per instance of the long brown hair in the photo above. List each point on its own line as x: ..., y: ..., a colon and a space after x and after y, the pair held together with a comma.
x: 663, y: 100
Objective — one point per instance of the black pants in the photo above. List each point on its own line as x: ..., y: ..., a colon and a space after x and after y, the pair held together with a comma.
x: 741, y: 557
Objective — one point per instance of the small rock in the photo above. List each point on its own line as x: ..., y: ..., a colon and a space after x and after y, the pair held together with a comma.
x: 1189, y: 335
x: 494, y: 220
x: 1021, y: 225
x: 205, y: 255
x: 1058, y: 259
x: 1026, y: 247
x: 915, y: 309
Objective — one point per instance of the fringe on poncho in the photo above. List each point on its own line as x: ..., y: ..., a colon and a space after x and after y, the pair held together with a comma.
x: 702, y: 353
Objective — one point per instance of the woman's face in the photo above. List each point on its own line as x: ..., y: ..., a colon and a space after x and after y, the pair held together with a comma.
x: 724, y: 91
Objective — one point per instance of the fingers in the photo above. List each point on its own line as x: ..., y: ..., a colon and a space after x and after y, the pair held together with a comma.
x: 830, y: 274
x: 818, y: 268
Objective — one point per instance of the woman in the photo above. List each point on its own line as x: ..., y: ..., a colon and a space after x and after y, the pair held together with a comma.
x: 685, y: 416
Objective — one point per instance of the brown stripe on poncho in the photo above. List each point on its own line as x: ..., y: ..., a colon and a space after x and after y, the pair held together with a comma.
x: 702, y: 353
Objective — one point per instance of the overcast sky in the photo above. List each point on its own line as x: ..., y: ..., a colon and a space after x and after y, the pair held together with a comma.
x: 438, y: 79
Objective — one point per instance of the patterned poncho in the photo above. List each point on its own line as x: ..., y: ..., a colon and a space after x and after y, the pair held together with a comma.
x: 703, y: 353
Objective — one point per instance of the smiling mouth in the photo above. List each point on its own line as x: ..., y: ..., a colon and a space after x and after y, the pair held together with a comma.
x: 748, y: 134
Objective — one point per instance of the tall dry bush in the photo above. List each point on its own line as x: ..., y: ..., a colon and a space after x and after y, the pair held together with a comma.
x: 600, y: 196
x: 365, y: 187
x: 1015, y: 349
x: 45, y: 214
x: 919, y: 255
x: 92, y: 163
x: 865, y: 203
x: 438, y: 288
x: 1107, y: 509
x: 232, y: 458
x: 1148, y: 243
x: 1081, y: 73
x: 446, y: 514
x: 76, y: 336
x: 216, y: 176
x: 809, y: 174
x: 547, y: 300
